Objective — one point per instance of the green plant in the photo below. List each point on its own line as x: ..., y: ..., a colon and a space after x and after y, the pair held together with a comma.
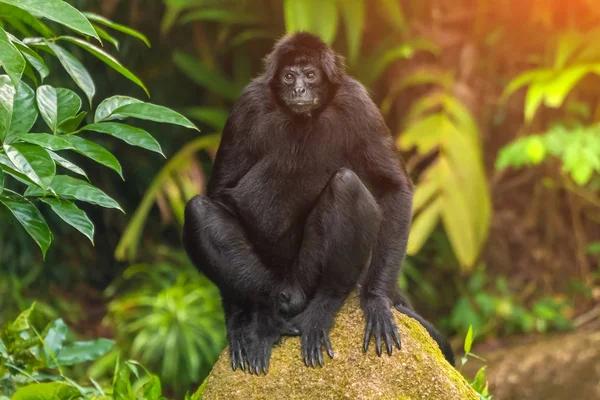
x: 30, y: 161
x: 492, y: 309
x: 479, y: 383
x: 578, y: 149
x: 33, y: 364
x: 170, y: 318
x: 453, y: 188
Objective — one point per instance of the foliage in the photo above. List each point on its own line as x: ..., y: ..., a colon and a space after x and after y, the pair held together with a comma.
x: 30, y: 161
x: 32, y: 364
x: 575, y: 56
x: 172, y: 182
x: 578, y: 149
x: 453, y: 188
x: 494, y: 309
x: 479, y: 383
x: 170, y: 318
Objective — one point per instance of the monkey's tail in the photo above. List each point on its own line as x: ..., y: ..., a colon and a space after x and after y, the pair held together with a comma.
x: 437, y: 336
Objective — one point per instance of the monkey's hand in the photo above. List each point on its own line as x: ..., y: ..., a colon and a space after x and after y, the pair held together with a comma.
x: 315, y: 337
x: 380, y: 323
x: 251, y: 343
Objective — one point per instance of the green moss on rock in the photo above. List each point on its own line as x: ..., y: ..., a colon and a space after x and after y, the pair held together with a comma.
x: 418, y: 371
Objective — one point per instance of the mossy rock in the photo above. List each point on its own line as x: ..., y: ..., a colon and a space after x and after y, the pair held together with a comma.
x: 418, y: 371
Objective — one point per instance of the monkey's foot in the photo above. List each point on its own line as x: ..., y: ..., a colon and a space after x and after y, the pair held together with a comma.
x: 380, y: 324
x: 313, y: 341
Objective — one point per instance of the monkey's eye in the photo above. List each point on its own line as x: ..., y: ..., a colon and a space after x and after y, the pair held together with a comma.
x: 310, y: 75
x: 288, y: 77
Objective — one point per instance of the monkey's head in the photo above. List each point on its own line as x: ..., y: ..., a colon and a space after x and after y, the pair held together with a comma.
x: 303, y: 72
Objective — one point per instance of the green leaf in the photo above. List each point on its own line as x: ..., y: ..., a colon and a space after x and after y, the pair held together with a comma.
x: 128, y: 134
x: 307, y: 15
x: 18, y: 112
x: 48, y: 105
x: 31, y: 219
x: 95, y: 152
x: 533, y: 99
x: 523, y: 79
x: 390, y: 55
x: 57, y: 105
x: 7, y: 166
x: 206, y: 77
x: 106, y: 36
x: 47, y: 141
x: 469, y: 340
x: 222, y: 15
x: 1, y: 181
x: 32, y: 57
x: 152, y: 388
x: 71, y: 124
x: 18, y: 18
x: 47, y: 391
x: 55, y: 337
x: 76, y: 189
x: 33, y: 161
x: 7, y: 99
x: 423, y: 225
x: 478, y: 383
x: 75, y: 69
x: 57, y: 11
x: 63, y: 162
x: 536, y: 150
x: 153, y: 112
x: 250, y: 34
x: 560, y: 86
x: 72, y: 215
x: 107, y: 59
x: 104, y: 111
x: 353, y: 13
x: 118, y: 27
x: 11, y: 59
x: 391, y: 11
x: 69, y: 105
x: 127, y: 247
x: 79, y: 352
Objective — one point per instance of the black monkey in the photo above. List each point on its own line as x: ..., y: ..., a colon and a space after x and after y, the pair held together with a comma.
x: 287, y: 228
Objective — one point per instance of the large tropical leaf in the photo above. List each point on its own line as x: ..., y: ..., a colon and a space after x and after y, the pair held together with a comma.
x: 59, y: 11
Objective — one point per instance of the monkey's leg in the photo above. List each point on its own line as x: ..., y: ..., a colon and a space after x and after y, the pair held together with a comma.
x: 252, y: 330
x: 339, y: 235
x: 218, y: 246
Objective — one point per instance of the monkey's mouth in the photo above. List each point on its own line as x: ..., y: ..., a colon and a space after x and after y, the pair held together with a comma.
x: 305, y: 103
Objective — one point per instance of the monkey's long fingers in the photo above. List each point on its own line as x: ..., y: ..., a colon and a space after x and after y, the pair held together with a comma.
x: 378, y: 335
x: 396, y: 336
x: 368, y: 332
x: 388, y: 342
x: 328, y: 346
x: 319, y: 350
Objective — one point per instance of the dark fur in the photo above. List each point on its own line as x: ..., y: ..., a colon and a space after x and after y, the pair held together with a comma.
x: 287, y: 224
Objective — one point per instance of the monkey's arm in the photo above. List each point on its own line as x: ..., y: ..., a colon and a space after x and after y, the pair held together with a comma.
x: 381, y: 166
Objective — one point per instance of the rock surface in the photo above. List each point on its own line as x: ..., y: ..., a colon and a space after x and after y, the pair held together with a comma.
x: 418, y: 371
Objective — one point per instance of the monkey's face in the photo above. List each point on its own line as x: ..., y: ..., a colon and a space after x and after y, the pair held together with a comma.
x: 302, y: 88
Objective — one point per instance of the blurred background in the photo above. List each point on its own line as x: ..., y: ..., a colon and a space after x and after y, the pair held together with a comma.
x: 495, y: 107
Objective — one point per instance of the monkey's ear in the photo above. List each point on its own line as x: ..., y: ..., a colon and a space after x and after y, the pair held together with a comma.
x: 333, y: 65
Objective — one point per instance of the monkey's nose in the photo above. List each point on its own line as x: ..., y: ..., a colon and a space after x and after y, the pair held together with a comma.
x: 299, y: 91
